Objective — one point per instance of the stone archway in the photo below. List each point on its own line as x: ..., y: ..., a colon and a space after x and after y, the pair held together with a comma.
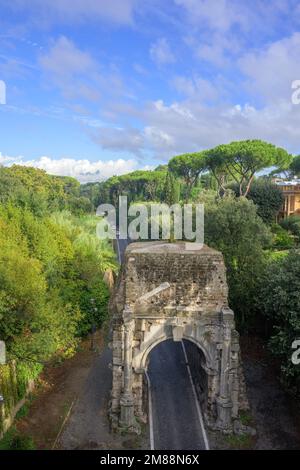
x: 170, y: 291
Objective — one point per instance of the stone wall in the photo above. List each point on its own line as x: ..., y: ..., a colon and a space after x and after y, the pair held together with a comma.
x: 168, y: 291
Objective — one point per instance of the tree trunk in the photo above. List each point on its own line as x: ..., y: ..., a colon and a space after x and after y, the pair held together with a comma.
x: 249, y: 185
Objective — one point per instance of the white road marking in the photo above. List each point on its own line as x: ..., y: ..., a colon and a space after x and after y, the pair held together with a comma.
x: 150, y: 413
x: 199, y: 412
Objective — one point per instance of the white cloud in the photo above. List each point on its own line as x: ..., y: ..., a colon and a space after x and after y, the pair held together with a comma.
x: 161, y: 53
x: 6, y: 160
x: 76, y: 11
x: 271, y: 70
x: 119, y: 139
x: 84, y: 170
x: 218, y: 49
x: 190, y: 126
x: 77, y: 74
x: 72, y: 70
x: 219, y: 15
x: 158, y: 138
x: 64, y: 58
x: 196, y: 87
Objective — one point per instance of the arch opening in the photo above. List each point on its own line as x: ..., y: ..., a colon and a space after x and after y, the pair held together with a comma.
x: 169, y: 365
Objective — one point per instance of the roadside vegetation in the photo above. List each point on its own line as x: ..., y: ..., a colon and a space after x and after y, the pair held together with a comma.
x: 52, y: 292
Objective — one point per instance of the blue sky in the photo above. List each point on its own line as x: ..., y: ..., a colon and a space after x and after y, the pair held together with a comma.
x: 98, y: 87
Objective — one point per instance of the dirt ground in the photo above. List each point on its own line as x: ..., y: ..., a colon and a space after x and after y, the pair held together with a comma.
x: 69, y: 408
x: 274, y: 414
x: 54, y: 395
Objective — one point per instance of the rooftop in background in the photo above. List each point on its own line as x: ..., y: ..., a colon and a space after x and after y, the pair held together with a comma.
x: 294, y: 182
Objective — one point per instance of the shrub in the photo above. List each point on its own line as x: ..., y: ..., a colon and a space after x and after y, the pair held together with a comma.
x: 13, y: 440
x: 233, y: 227
x: 282, y: 239
x: 278, y: 299
x: 292, y: 224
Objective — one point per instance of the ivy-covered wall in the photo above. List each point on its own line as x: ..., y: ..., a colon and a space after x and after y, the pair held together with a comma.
x: 16, y: 379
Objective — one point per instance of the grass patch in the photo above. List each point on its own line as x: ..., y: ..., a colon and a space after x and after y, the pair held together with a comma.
x: 243, y: 441
x: 23, y: 411
x: 13, y: 440
x: 245, y: 418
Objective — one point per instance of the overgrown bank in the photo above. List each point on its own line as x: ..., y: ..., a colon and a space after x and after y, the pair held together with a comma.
x: 52, y: 291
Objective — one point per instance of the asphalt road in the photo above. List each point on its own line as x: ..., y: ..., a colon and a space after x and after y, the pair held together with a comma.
x: 174, y: 411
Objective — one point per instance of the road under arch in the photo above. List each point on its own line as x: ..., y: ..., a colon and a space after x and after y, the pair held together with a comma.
x: 177, y: 420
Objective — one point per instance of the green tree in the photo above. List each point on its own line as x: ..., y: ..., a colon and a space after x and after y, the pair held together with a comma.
x: 171, y: 190
x: 282, y: 239
x: 292, y: 224
x: 137, y: 186
x: 33, y: 189
x: 217, y: 167
x: 233, y: 227
x: 188, y: 167
x: 295, y: 166
x: 279, y: 300
x: 266, y: 196
x: 241, y: 160
x: 50, y: 269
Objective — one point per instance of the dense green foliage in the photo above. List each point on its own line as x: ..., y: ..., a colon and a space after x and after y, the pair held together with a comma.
x: 241, y: 160
x: 14, y: 440
x: 217, y: 169
x: 51, y: 274
x: 279, y: 300
x: 282, y: 239
x: 39, y: 192
x: 266, y: 196
x: 292, y: 224
x: 188, y: 167
x: 171, y: 189
x: 92, y: 192
x: 294, y: 167
x: 50, y: 269
x: 137, y: 186
x: 233, y: 227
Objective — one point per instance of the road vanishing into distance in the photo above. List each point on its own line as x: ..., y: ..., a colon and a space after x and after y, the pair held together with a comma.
x: 175, y: 417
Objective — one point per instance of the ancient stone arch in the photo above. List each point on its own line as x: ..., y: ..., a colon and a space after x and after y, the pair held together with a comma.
x: 174, y: 291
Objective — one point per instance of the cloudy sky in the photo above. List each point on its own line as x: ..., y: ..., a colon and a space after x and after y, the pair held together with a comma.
x: 97, y: 87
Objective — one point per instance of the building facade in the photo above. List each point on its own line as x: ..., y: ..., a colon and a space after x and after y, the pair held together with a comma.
x: 291, y: 194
